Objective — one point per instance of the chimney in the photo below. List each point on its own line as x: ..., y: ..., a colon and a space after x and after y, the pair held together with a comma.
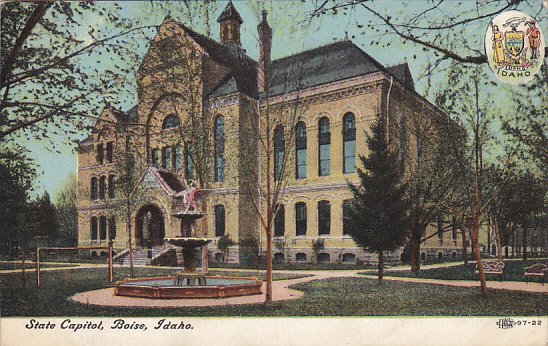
x: 265, y: 46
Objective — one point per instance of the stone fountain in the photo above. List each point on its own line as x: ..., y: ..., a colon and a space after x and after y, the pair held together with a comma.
x: 188, y: 283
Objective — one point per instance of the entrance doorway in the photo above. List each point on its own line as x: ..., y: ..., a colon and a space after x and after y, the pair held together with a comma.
x: 150, y: 229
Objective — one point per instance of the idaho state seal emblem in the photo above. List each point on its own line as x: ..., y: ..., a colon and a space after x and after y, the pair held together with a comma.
x: 514, y: 46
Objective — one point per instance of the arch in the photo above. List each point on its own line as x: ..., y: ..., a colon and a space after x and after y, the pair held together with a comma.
x: 324, y: 145
x: 300, y: 150
x: 440, y: 255
x: 151, y: 233
x: 324, y: 257
x: 324, y: 217
x: 348, y: 257
x: 300, y: 257
x: 349, y: 143
x: 102, y: 187
x: 301, y: 219
x: 219, y: 142
x: 423, y: 256
x: 279, y: 152
x: 102, y: 228
x: 93, y: 228
x: 93, y: 188
x: 111, y: 186
x: 171, y: 121
x: 279, y: 257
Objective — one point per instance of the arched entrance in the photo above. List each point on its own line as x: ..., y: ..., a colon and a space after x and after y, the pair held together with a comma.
x: 149, y: 226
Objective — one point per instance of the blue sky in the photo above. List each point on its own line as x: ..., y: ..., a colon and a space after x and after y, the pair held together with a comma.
x: 291, y: 34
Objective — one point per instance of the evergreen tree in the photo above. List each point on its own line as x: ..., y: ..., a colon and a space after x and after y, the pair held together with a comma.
x: 378, y: 212
x: 45, y: 218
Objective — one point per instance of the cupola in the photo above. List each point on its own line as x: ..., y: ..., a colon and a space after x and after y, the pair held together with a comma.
x: 230, y: 22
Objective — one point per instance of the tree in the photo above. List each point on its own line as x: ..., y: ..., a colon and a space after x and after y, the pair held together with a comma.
x: 17, y: 171
x: 65, y: 206
x: 44, y: 218
x: 46, y: 87
x: 378, y: 212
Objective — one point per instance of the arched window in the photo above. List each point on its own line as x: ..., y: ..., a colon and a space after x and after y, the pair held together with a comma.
x: 300, y: 219
x: 189, y: 160
x: 219, y: 220
x: 111, y: 187
x: 324, y: 257
x: 300, y: 257
x: 102, y: 228
x: 219, y: 149
x: 170, y: 121
x: 300, y: 150
x: 93, y: 228
x: 110, y: 152
x: 102, y: 187
x: 279, y: 152
x: 324, y: 141
x: 112, y: 228
x: 93, y: 189
x: 349, y: 257
x: 100, y: 154
x: 349, y: 143
x: 347, y: 217
x: 324, y: 218
x: 279, y: 221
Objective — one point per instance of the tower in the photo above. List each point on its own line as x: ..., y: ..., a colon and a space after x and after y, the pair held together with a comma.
x: 230, y: 21
x: 265, y: 47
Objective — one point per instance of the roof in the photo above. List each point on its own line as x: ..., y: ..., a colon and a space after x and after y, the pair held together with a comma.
x: 402, y: 73
x: 171, y: 180
x: 123, y: 117
x: 333, y: 62
x: 230, y: 13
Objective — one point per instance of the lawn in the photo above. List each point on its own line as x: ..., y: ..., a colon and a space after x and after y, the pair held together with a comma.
x: 331, y: 297
x: 513, y: 271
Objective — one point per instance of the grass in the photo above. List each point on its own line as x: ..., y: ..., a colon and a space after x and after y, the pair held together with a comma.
x: 513, y: 271
x: 331, y: 297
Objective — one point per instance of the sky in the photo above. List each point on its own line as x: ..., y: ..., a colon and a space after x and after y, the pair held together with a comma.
x: 292, y: 33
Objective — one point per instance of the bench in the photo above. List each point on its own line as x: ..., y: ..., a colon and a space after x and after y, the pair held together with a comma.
x: 491, y: 267
x: 536, y: 270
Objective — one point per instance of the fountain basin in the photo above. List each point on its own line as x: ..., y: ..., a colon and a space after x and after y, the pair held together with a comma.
x: 187, y: 242
x: 164, y: 288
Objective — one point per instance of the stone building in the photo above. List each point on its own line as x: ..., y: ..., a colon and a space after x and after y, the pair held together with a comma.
x: 199, y: 102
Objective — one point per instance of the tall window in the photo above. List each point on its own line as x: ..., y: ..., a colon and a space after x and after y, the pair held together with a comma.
x: 177, y: 158
x: 93, y: 189
x: 110, y: 152
x: 300, y: 219
x: 347, y: 217
x: 166, y: 158
x: 219, y: 220
x: 349, y: 143
x: 100, y: 154
x: 279, y: 221
x: 219, y: 149
x: 300, y: 150
x: 112, y: 228
x: 102, y: 228
x: 102, y: 187
x: 170, y: 121
x: 93, y: 228
x: 111, y: 187
x: 324, y: 218
x: 155, y: 153
x: 189, y: 160
x: 279, y: 152
x: 324, y: 141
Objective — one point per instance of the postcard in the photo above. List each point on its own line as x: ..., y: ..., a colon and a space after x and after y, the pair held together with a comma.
x: 273, y: 172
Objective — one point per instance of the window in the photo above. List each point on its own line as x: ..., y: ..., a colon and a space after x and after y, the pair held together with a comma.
x: 177, y: 158
x: 279, y: 153
x: 155, y: 157
x: 219, y: 220
x: 300, y: 150
x: 93, y: 228
x: 102, y: 228
x: 279, y: 257
x: 324, y: 218
x: 347, y: 217
x: 93, y: 189
x: 111, y: 187
x: 324, y: 257
x: 110, y: 152
x: 324, y: 141
x: 349, y: 257
x: 102, y: 187
x: 112, y: 228
x: 189, y: 160
x: 279, y: 221
x: 170, y: 121
x: 100, y: 154
x: 349, y: 143
x: 219, y: 149
x: 166, y: 158
x: 300, y: 257
x: 300, y: 219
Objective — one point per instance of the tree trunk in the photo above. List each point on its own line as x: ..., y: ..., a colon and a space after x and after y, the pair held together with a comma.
x: 268, y: 266
x: 477, y: 254
x: 464, y: 247
x: 130, y: 245
x: 380, y: 266
x: 415, y: 255
x: 513, y: 244
x: 497, y: 235
x: 524, y: 241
